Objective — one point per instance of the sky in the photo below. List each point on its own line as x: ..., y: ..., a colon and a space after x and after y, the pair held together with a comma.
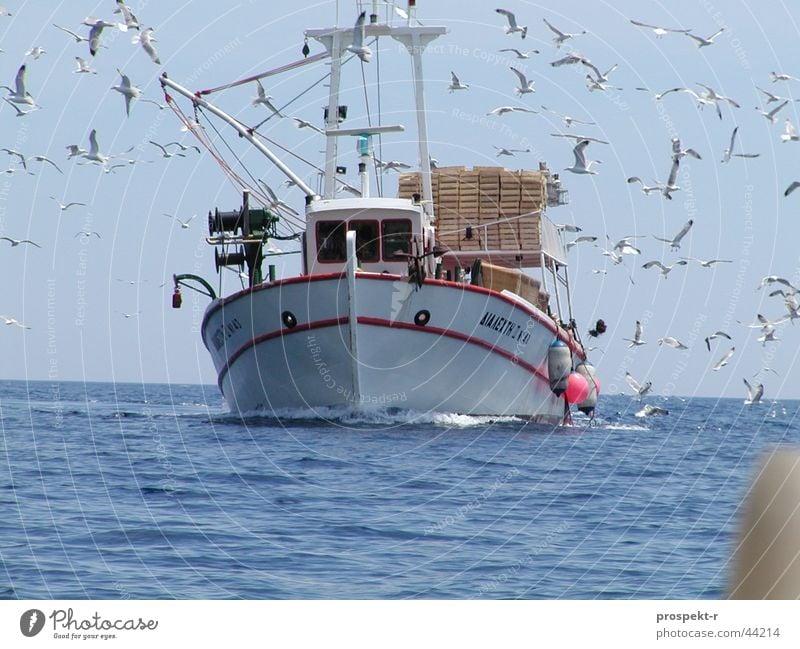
x: 74, y: 292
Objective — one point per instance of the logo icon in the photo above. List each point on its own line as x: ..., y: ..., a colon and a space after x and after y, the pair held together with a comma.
x: 31, y: 622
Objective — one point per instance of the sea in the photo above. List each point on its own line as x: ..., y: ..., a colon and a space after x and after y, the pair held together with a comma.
x: 132, y: 491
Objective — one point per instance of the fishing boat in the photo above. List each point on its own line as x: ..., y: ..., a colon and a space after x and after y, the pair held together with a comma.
x: 452, y: 296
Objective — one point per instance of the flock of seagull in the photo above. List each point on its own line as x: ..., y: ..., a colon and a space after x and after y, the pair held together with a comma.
x: 703, y: 96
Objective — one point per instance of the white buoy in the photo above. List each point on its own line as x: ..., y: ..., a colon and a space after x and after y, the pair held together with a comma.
x: 559, y: 366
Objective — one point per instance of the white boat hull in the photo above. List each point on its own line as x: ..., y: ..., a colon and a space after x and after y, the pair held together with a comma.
x: 444, y: 347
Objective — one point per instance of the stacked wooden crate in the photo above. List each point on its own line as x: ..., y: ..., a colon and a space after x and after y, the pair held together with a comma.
x: 487, y: 200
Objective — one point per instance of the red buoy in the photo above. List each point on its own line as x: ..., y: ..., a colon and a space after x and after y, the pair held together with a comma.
x: 177, y: 298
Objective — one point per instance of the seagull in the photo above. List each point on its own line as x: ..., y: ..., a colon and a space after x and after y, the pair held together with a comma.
x: 765, y: 369
x: 127, y: 15
x: 20, y: 112
x: 65, y: 206
x: 13, y: 321
x: 670, y: 185
x: 708, y: 263
x: 581, y: 165
x: 650, y: 411
x: 78, y: 38
x: 357, y: 46
x: 781, y: 77
x: 512, y: 27
x: 182, y: 147
x: 275, y: 202
x: 75, y: 151
x: 20, y: 95
x: 264, y: 99
x: 665, y: 270
x: 14, y: 152
x: 726, y: 156
x: 569, y: 121
x: 36, y: 52
x: 647, y: 189
x: 579, y: 138
x: 753, y: 394
x: 455, y: 84
x: 771, y: 114
x: 789, y: 132
x: 184, y: 224
x: 660, y: 31
x: 83, y: 67
x: 722, y: 362
x: 711, y: 95
x: 678, y: 152
x: 568, y: 227
x: 773, y: 279
x: 625, y: 246
x: 716, y: 334
x: 16, y: 242
x: 771, y: 96
x: 503, y: 151
x: 94, y: 35
x: 672, y: 342
x: 595, y: 84
x: 615, y: 258
x: 704, y: 42
x: 392, y: 165
x: 795, y: 184
x: 155, y: 103
x: 86, y: 234
x: 127, y: 90
x: 640, y: 390
x: 520, y: 55
x: 581, y: 239
x: 41, y: 158
x: 501, y: 110
x: 128, y: 315
x: 301, y: 123
x: 561, y: 36
x: 165, y: 153
x: 636, y: 341
x: 525, y: 86
x: 94, y: 155
x: 147, y: 39
x: 675, y: 242
x: 700, y: 99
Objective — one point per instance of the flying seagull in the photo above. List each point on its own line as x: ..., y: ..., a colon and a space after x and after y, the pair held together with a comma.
x: 36, y: 52
x: 525, y: 86
x: 660, y: 31
x: 647, y: 189
x: 455, y: 84
x: 65, y: 206
x: 16, y: 242
x: 678, y: 152
x: 636, y: 341
x: 579, y: 138
x: 502, y: 110
x: 561, y: 36
x: 78, y: 38
x: 795, y: 184
x: 520, y: 55
x: 753, y: 394
x: 675, y: 242
x: 83, y: 67
x: 13, y: 321
x: 146, y: 39
x: 510, y: 152
x: 704, y: 42
x: 771, y: 114
x: 789, y: 132
x: 166, y: 153
x: 777, y: 76
x: 672, y: 342
x: 650, y: 411
x: 665, y: 270
x: 722, y: 362
x: 264, y: 99
x: 127, y: 15
x: 184, y: 224
x: 569, y: 121
x: 20, y: 95
x: 670, y: 185
x: 513, y: 27
x: 301, y: 123
x: 726, y: 156
x: 708, y: 263
x: 127, y: 90
x: 716, y: 334
x: 640, y: 390
x: 581, y: 165
x: 710, y: 95
x: 357, y: 46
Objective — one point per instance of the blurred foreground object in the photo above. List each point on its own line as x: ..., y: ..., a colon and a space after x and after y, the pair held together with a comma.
x: 766, y: 561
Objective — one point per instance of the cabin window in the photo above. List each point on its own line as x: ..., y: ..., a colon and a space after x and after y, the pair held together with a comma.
x: 366, y: 239
x: 330, y: 241
x: 396, y: 235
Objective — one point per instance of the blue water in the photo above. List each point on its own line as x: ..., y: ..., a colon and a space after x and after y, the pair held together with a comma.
x: 129, y: 491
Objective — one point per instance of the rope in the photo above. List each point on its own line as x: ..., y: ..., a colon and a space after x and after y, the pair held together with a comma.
x: 264, y: 75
